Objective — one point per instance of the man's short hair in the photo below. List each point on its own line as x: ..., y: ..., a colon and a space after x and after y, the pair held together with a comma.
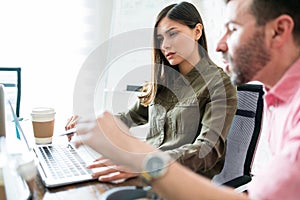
x: 267, y: 10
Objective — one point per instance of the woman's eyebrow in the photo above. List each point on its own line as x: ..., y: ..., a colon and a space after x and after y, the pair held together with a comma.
x: 167, y: 31
x: 170, y: 29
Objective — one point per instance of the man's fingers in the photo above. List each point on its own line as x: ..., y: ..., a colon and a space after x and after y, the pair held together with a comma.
x: 85, y: 127
x: 108, y: 122
x: 116, y: 176
x: 104, y: 171
x: 100, y: 158
x: 100, y: 162
x: 77, y: 142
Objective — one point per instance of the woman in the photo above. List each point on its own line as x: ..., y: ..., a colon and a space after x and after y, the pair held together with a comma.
x: 190, y: 102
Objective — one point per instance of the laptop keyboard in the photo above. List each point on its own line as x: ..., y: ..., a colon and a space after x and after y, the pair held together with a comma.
x: 63, y: 161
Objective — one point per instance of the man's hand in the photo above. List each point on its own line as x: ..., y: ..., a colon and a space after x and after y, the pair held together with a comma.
x: 109, y: 136
x: 110, y: 171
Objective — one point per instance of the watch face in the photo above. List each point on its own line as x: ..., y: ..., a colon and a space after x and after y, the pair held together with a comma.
x: 155, y: 165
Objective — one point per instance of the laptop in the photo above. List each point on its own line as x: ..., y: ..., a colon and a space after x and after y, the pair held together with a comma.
x: 60, y: 164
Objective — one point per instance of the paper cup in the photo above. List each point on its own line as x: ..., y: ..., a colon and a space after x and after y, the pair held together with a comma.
x: 43, y: 124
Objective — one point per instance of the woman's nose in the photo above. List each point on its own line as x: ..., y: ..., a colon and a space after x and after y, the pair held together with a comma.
x: 165, y: 44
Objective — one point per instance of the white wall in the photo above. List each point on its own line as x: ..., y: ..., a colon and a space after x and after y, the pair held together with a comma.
x: 50, y: 40
x: 212, y: 13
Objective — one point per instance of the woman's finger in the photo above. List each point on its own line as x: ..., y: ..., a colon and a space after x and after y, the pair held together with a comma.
x: 71, y: 122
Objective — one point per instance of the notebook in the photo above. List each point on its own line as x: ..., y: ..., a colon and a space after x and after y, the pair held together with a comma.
x: 60, y: 164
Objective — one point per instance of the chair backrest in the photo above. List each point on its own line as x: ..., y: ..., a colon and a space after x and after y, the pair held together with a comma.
x: 10, y: 77
x: 243, y: 137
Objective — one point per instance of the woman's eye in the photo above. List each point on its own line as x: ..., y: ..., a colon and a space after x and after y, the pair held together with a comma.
x: 172, y: 34
x: 159, y: 40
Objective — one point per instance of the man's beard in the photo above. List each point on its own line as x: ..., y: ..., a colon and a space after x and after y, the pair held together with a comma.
x: 249, y: 59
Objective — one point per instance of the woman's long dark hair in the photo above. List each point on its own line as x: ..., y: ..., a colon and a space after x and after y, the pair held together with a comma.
x: 184, y: 13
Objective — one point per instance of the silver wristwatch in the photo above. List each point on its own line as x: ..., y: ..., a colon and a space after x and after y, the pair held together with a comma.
x: 155, y: 165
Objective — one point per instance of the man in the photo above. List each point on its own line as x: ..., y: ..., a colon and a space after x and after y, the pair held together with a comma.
x: 261, y: 42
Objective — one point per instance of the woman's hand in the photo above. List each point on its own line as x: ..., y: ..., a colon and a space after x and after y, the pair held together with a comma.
x: 71, y: 123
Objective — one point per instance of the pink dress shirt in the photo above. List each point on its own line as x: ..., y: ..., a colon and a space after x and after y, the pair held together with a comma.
x: 280, y: 179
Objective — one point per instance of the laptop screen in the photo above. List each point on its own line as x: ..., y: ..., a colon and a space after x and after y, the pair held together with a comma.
x: 19, y: 131
x: 16, y: 141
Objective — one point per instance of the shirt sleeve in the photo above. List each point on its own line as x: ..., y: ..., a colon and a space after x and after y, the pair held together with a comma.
x: 209, y: 147
x: 280, y: 178
x: 135, y: 116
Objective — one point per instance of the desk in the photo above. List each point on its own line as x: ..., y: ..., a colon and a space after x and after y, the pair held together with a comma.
x: 86, y: 190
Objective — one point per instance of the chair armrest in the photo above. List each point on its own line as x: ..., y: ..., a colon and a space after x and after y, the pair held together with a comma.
x: 241, y: 180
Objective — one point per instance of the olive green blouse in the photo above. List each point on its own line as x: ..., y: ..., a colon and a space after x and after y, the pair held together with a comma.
x: 190, y: 117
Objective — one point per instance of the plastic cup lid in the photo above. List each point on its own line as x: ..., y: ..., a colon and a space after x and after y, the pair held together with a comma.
x: 42, y: 110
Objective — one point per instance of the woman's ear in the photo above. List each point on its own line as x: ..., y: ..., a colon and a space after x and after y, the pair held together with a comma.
x: 282, y: 29
x: 198, y: 31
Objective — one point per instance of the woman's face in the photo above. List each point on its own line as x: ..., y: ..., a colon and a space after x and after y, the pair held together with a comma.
x: 178, y: 42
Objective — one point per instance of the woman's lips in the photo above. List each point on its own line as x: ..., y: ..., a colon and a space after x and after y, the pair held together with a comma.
x: 170, y: 55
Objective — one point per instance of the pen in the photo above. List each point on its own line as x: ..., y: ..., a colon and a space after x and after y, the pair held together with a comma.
x: 69, y: 132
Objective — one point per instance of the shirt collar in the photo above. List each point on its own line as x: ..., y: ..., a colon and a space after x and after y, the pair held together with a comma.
x: 287, y: 86
x: 199, y: 68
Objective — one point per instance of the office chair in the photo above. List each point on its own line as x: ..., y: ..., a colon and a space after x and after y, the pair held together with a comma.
x: 242, y: 138
x: 11, y: 79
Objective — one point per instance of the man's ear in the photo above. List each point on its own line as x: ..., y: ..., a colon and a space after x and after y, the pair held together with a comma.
x: 198, y: 31
x: 282, y: 28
